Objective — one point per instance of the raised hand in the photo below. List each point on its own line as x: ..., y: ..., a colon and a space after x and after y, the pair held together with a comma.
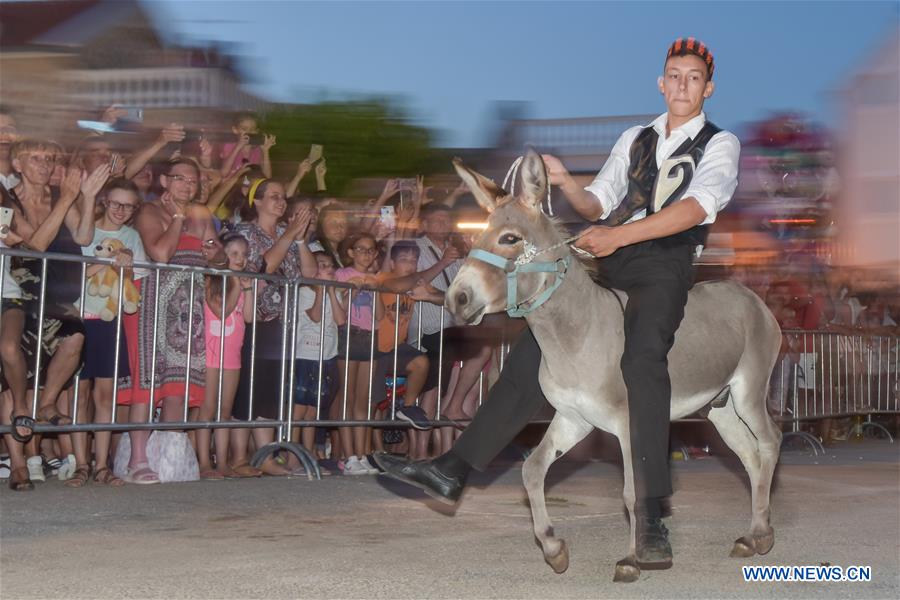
x: 167, y: 201
x: 171, y: 133
x: 391, y: 187
x: 451, y: 253
x: 268, y: 141
x: 93, y: 183
x: 299, y: 223
x: 206, y: 149
x: 71, y: 184
x: 304, y: 167
x: 124, y: 258
x: 121, y: 165
x: 556, y: 171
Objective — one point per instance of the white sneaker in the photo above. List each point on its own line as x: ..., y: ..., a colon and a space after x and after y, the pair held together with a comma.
x: 372, y: 469
x: 67, y: 469
x: 353, y: 466
x: 35, y: 468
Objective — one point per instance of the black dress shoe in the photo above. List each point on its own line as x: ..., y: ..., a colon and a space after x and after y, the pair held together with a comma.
x: 424, y: 475
x: 653, y: 550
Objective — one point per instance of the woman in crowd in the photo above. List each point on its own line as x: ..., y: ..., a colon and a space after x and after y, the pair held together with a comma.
x: 173, y: 231
x: 49, y: 219
x: 273, y: 249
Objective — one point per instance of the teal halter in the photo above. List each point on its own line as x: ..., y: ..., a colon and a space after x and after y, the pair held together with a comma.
x: 523, y: 264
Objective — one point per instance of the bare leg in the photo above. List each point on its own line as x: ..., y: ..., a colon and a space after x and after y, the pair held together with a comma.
x: 347, y: 437
x: 60, y: 369
x: 16, y: 449
x: 15, y: 369
x: 230, y: 380
x: 138, y: 413
x: 207, y: 413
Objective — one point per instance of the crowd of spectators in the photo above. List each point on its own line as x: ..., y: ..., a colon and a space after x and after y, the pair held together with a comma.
x: 211, y: 347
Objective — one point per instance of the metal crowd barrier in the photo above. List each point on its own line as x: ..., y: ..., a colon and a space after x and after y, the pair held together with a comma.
x: 289, y: 324
x: 820, y: 374
x: 829, y: 374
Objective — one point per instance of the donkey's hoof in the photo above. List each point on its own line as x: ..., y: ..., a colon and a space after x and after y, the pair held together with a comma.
x: 627, y: 571
x: 560, y: 562
x: 763, y: 543
x: 743, y: 548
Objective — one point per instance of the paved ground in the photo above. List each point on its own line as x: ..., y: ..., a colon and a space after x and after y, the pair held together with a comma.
x: 357, y: 538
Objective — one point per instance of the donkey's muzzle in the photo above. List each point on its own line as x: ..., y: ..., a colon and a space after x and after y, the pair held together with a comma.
x: 459, y: 301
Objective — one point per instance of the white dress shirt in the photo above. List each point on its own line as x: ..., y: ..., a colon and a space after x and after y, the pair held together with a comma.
x: 714, y: 180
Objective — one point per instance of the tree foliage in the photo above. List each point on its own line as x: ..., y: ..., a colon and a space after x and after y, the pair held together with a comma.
x: 361, y: 138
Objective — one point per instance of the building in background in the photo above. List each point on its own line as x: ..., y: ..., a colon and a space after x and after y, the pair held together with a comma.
x: 63, y: 60
x: 869, y: 214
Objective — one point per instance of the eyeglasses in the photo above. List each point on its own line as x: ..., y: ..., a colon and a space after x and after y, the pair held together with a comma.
x: 187, y: 180
x: 113, y: 205
x: 365, y: 250
x: 45, y: 159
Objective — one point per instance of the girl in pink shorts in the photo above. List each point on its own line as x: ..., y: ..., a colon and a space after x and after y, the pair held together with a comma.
x: 238, y: 299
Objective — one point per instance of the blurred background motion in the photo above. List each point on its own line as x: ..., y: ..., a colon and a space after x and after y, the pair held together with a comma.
x: 394, y: 90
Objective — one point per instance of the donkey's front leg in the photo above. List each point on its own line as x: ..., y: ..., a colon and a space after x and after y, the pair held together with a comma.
x: 627, y: 569
x: 563, y: 433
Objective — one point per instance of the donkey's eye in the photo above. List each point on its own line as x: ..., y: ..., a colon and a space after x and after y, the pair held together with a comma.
x: 509, y: 239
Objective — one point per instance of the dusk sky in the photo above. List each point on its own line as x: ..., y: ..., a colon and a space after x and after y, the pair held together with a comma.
x: 447, y: 62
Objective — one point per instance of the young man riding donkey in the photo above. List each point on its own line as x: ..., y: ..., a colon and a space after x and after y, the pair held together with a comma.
x: 652, y: 203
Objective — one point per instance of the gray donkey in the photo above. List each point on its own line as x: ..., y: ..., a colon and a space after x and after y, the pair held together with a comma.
x: 720, y: 364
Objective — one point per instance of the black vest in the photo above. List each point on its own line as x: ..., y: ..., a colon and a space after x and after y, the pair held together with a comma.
x: 646, y: 190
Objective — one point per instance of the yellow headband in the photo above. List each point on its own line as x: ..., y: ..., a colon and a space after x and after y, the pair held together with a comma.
x: 252, y: 192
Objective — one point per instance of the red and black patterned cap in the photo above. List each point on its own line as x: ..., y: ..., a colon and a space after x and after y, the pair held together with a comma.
x: 685, y: 46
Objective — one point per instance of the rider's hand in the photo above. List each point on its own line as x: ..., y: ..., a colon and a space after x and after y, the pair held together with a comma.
x: 556, y: 172
x: 600, y: 240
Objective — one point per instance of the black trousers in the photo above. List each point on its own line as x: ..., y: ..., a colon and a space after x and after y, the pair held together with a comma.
x: 657, y: 279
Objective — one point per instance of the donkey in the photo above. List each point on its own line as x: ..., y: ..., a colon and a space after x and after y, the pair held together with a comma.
x: 720, y: 365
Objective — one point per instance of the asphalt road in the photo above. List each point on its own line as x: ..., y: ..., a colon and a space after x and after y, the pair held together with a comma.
x: 368, y: 537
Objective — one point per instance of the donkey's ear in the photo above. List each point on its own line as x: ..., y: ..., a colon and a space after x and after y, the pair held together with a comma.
x: 486, y: 192
x: 534, y: 179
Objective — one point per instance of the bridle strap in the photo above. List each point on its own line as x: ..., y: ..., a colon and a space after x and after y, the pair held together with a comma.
x: 515, y: 266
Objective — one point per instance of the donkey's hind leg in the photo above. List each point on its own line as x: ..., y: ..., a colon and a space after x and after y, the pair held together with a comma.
x: 755, y: 439
x: 563, y: 433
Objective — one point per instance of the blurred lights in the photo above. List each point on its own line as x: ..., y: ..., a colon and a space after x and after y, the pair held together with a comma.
x: 793, y: 221
x: 472, y: 225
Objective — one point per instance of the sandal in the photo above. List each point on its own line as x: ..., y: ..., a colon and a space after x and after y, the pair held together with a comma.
x: 56, y: 418
x: 142, y: 474
x: 19, y: 480
x: 212, y: 475
x: 275, y: 470
x: 106, y: 477
x: 80, y: 478
x: 22, y: 421
x: 242, y: 471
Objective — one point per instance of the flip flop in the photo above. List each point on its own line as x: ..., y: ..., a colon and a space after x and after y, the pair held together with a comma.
x: 242, y: 471
x: 22, y: 421
x: 212, y: 475
x: 56, y: 418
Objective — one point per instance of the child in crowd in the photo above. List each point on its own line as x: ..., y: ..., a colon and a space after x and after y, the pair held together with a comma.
x: 356, y: 358
x: 224, y: 355
x: 315, y: 339
x: 246, y: 150
x: 118, y: 206
x: 407, y: 288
